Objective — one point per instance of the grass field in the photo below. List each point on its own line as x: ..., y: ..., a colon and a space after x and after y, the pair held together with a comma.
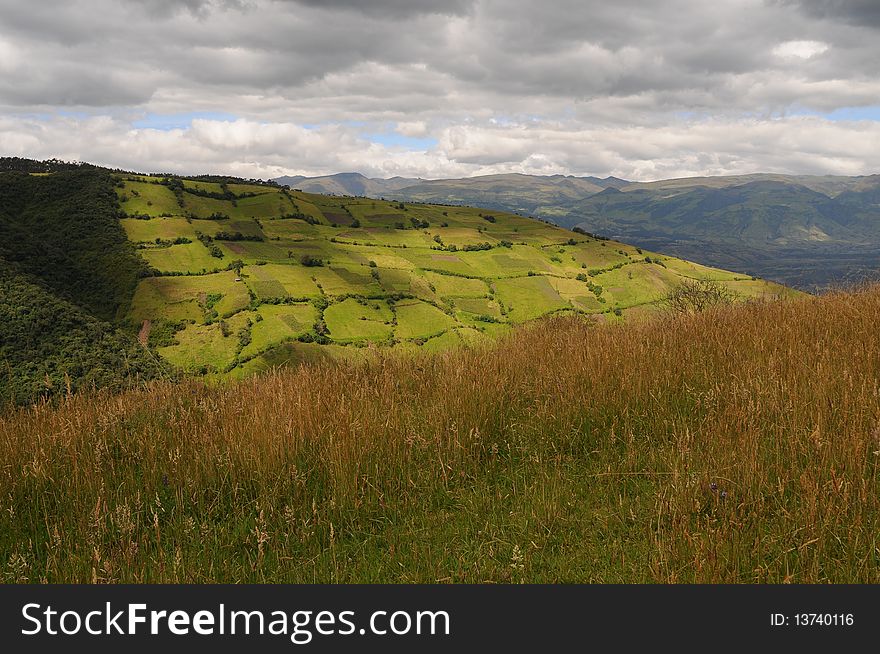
x: 351, y: 320
x: 145, y: 231
x: 277, y: 324
x: 446, y: 270
x: 416, y: 319
x: 187, y: 258
x: 562, y: 452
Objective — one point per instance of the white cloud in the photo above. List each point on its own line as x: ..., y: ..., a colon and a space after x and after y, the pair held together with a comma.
x: 629, y: 88
x: 412, y: 128
x: 800, y: 49
x: 797, y: 144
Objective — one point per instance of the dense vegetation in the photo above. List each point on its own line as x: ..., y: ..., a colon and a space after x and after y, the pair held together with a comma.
x: 66, y: 270
x: 738, y: 444
x: 62, y: 228
x: 50, y: 347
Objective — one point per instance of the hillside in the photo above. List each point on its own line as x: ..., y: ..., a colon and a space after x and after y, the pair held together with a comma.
x: 735, y: 446
x: 246, y: 277
x: 50, y: 347
x: 801, y: 230
x: 62, y: 229
x: 778, y: 229
x: 66, y: 271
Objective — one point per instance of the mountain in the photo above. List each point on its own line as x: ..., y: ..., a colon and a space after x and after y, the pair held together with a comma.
x: 830, y: 185
x: 353, y: 184
x: 802, y: 230
x: 778, y: 229
x: 524, y: 194
x: 112, y: 277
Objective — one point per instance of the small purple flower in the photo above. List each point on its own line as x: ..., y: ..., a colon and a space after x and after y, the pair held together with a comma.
x: 713, y: 487
x: 165, y: 481
x: 723, y: 495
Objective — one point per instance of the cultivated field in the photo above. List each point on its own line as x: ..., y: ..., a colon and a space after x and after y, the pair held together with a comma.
x: 401, y: 276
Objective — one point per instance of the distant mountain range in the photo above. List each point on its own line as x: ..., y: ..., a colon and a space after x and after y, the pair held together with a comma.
x: 348, y: 184
x: 805, y: 231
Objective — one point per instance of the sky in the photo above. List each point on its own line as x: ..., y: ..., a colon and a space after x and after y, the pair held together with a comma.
x: 444, y: 88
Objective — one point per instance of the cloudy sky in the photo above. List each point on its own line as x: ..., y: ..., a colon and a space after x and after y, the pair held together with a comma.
x: 444, y: 88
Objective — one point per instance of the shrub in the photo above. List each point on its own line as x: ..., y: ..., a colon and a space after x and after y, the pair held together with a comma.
x: 310, y: 261
x: 696, y: 295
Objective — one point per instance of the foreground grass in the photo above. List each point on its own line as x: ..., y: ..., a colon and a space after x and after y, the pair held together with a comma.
x: 734, y: 446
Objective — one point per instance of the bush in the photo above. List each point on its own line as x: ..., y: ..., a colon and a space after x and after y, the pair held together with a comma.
x: 696, y: 295
x: 310, y: 261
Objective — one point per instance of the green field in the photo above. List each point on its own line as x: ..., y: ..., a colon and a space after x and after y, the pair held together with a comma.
x: 187, y: 258
x: 277, y: 324
x: 412, y: 276
x: 353, y: 320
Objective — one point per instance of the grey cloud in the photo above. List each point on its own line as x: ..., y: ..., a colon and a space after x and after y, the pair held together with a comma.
x: 392, y: 8
x: 455, y: 65
x: 168, y: 8
x: 855, y: 12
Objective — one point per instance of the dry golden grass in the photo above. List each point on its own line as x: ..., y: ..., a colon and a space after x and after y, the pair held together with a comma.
x: 738, y: 445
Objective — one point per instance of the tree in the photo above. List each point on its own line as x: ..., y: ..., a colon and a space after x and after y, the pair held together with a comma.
x: 696, y: 295
x: 310, y: 261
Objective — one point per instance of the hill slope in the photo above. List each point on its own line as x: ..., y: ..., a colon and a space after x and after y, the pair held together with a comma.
x: 49, y: 346
x: 66, y: 270
x: 735, y: 446
x: 809, y: 231
x: 247, y: 277
x: 777, y: 229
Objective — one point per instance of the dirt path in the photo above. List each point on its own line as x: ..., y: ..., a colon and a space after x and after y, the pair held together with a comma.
x: 144, y: 333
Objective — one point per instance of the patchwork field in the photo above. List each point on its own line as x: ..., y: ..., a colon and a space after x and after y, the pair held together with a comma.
x: 250, y: 276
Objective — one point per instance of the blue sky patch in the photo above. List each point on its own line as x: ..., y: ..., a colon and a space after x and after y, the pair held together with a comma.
x: 167, y: 122
x: 395, y: 140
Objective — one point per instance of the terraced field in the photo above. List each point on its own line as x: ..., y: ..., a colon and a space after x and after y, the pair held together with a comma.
x: 250, y: 276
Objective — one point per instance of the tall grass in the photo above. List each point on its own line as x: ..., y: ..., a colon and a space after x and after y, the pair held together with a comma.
x: 738, y: 445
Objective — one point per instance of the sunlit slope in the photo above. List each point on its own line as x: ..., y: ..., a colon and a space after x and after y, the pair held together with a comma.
x: 250, y: 276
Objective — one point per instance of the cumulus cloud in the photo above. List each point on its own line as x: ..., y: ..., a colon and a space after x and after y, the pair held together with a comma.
x: 801, y: 144
x: 800, y: 49
x: 628, y: 88
x: 412, y: 128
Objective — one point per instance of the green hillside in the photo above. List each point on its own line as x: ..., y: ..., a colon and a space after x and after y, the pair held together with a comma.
x: 62, y: 228
x: 226, y: 277
x: 248, y: 277
x: 775, y: 228
x: 66, y: 271
x: 49, y: 346
x: 805, y: 231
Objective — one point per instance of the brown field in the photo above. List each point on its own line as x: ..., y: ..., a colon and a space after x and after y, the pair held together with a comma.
x: 337, y: 218
x: 738, y: 445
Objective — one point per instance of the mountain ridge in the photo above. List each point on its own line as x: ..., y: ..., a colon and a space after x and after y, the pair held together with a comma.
x: 802, y: 230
